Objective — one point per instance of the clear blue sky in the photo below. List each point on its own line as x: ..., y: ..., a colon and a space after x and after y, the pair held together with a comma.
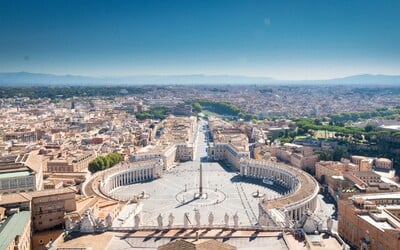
x: 299, y: 39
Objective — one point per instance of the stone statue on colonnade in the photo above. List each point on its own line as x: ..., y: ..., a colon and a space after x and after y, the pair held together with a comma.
x: 210, y: 219
x: 186, y: 220
x: 235, y: 220
x: 226, y: 219
x: 197, y: 217
x: 170, y: 220
x: 137, y: 220
x: 160, y: 220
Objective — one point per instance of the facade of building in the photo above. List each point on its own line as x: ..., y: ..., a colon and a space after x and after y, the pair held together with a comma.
x: 226, y: 152
x: 325, y: 169
x: 184, y: 152
x: 383, y: 163
x: 328, y: 168
x: 297, y: 155
x: 49, y: 206
x: 367, y: 176
x: 70, y: 163
x: 21, y: 136
x: 365, y: 163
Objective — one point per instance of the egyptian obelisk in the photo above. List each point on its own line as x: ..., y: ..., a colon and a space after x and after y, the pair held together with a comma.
x: 201, y: 181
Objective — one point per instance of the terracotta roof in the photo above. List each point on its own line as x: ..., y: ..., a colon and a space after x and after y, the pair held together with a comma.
x: 14, y: 198
x: 26, y: 197
x: 34, y: 161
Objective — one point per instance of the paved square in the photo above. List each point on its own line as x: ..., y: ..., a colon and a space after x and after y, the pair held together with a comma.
x: 225, y: 192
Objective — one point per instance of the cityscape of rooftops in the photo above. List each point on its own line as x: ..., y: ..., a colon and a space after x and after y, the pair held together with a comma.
x: 185, y: 124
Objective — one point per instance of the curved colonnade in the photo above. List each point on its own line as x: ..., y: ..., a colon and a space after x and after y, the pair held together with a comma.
x: 129, y: 173
x: 302, y: 190
x: 301, y: 196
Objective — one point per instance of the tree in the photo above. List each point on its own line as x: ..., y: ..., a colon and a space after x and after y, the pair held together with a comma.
x: 338, y: 154
x: 94, y: 166
x: 103, y: 162
x: 324, y: 155
x: 369, y: 128
x: 196, y: 107
x: 317, y: 122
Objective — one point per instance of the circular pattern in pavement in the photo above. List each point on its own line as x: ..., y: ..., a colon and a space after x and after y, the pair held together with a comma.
x: 209, y: 197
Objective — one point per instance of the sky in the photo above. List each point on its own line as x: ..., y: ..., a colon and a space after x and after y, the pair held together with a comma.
x: 291, y: 40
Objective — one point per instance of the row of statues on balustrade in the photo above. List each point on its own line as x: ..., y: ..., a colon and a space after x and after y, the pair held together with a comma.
x: 187, y: 222
x: 89, y: 223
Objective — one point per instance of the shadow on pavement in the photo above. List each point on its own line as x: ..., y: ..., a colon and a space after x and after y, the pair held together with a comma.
x: 259, y: 182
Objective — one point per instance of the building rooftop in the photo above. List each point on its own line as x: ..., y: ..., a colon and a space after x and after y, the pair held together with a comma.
x: 381, y: 220
x: 13, y: 227
x: 377, y: 196
x: 26, y: 197
x: 151, y: 239
x: 15, y: 174
x: 365, y: 174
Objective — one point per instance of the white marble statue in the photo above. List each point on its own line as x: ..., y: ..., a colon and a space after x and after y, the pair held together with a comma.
x: 160, y: 220
x: 210, y: 219
x: 108, y: 221
x: 226, y: 219
x: 170, y: 220
x: 235, y: 220
x: 68, y: 223
x: 319, y: 226
x: 262, y: 220
x: 99, y: 223
x: 310, y: 225
x: 329, y: 224
x: 186, y: 220
x: 87, y: 223
x: 197, y: 218
x: 137, y: 220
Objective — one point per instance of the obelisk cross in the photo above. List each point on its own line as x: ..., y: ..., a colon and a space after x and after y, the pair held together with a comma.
x: 201, y: 181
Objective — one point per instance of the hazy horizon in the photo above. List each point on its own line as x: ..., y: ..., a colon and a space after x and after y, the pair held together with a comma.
x: 284, y: 40
x: 195, y: 74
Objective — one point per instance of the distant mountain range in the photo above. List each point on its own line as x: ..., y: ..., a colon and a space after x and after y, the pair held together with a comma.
x: 368, y: 79
x: 34, y: 79
x: 39, y: 79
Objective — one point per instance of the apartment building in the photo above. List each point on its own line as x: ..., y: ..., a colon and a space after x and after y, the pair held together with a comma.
x: 68, y: 161
x: 47, y: 207
x: 368, y: 221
